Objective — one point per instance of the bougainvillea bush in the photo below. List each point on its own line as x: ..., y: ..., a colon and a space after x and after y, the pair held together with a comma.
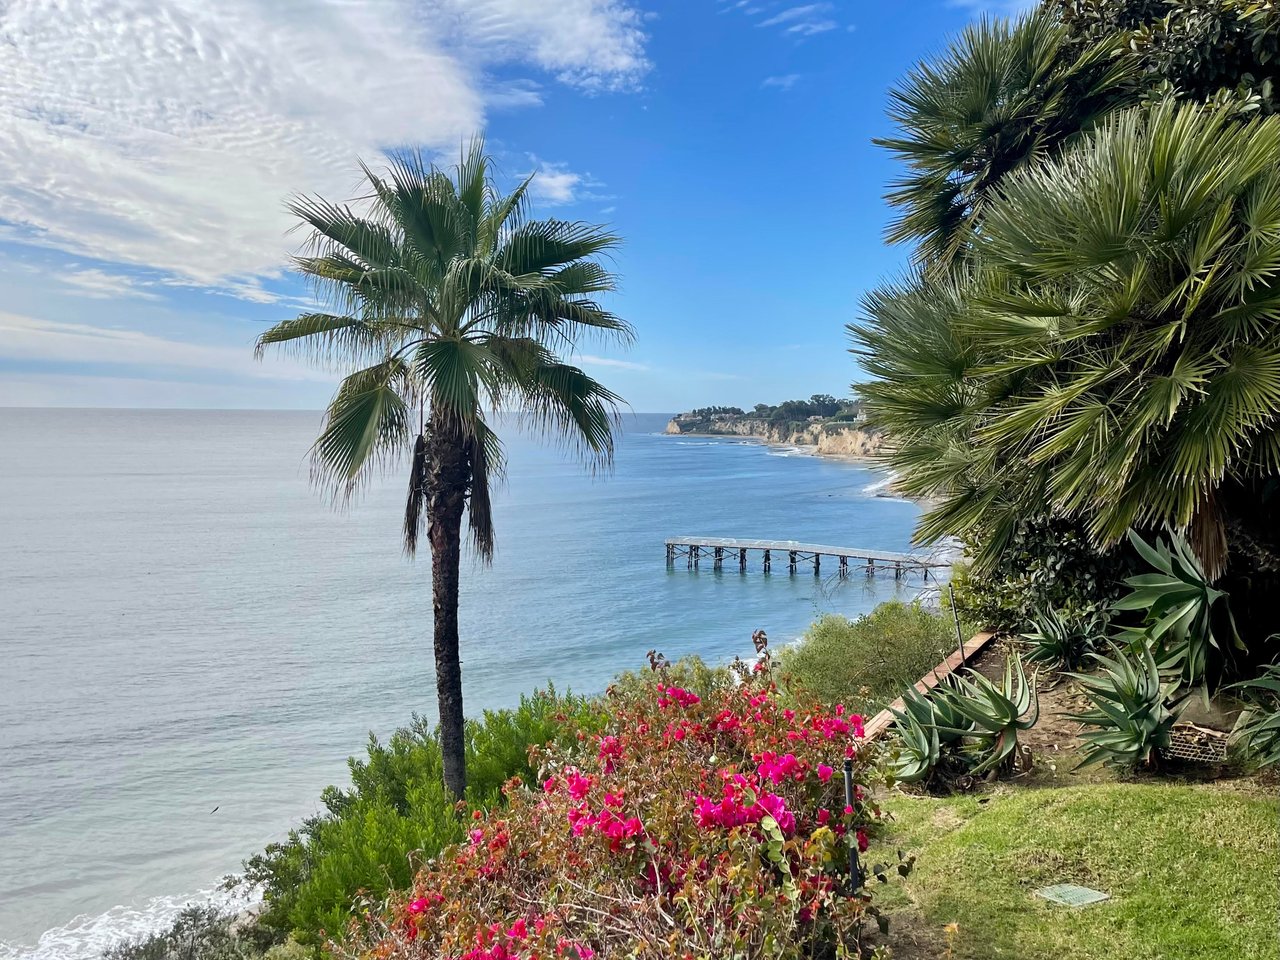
x: 697, y: 826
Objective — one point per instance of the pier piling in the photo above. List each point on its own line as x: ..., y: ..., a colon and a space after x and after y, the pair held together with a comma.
x: 903, y: 564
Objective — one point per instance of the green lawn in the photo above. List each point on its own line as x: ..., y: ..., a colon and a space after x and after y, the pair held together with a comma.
x: 1194, y: 872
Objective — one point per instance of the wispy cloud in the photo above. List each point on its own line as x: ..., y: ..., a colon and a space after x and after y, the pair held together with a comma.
x: 164, y: 134
x: 594, y: 361
x: 796, y: 21
x: 27, y: 338
x: 783, y: 82
x: 101, y: 285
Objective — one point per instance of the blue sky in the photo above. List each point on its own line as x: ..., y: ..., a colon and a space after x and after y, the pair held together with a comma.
x: 150, y: 145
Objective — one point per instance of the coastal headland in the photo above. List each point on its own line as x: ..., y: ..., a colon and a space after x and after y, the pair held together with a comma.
x: 831, y: 428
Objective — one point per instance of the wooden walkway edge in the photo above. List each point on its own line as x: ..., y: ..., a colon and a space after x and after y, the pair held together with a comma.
x: 883, y: 720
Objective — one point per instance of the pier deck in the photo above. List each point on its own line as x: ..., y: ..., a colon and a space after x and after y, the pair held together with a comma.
x: 717, y: 549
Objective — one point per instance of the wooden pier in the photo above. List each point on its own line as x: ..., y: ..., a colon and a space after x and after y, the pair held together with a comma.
x: 717, y: 550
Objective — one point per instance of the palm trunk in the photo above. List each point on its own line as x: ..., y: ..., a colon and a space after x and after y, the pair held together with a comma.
x: 447, y: 481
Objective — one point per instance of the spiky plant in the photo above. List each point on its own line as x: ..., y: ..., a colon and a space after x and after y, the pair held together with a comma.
x: 1061, y: 642
x: 1178, y: 603
x: 994, y: 713
x: 1256, y: 734
x: 1005, y: 94
x: 451, y: 305
x: 1133, y: 710
x: 929, y: 734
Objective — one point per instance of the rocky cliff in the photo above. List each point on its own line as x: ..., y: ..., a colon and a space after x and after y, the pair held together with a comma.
x: 830, y: 438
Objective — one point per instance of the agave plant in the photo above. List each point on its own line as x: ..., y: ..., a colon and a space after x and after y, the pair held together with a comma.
x: 1058, y: 641
x: 930, y: 731
x: 1179, y: 604
x: 1132, y: 710
x: 994, y: 713
x: 1256, y: 735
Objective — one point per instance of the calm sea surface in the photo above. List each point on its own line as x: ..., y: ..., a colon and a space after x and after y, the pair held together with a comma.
x: 186, y: 625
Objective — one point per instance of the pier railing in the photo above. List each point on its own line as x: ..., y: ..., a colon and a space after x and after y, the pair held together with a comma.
x: 719, y: 549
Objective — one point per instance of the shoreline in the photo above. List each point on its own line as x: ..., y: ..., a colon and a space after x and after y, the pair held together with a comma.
x: 884, y: 490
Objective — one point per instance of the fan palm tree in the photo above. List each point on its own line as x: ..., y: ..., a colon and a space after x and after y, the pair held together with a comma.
x: 1114, y: 352
x: 1006, y: 94
x: 450, y: 303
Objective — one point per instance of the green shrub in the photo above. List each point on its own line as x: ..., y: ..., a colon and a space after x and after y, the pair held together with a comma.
x: 200, y: 932
x: 869, y: 659
x: 690, y: 673
x: 372, y: 837
x: 1047, y: 564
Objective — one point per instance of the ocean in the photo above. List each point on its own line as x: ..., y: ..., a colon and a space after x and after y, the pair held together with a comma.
x: 193, y: 640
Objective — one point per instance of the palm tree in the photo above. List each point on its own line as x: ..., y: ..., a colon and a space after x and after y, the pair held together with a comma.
x: 450, y: 303
x: 1005, y: 95
x: 1114, y: 352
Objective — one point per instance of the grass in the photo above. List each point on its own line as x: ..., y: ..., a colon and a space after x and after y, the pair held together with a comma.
x: 873, y: 657
x: 1193, y: 871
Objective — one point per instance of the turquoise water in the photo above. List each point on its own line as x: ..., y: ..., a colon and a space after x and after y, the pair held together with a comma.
x: 186, y: 625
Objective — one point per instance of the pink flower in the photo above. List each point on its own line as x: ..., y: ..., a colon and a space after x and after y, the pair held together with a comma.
x: 823, y: 817
x: 579, y: 786
x: 610, y: 753
x: 824, y: 772
x: 848, y: 811
x: 863, y: 843
x: 419, y: 905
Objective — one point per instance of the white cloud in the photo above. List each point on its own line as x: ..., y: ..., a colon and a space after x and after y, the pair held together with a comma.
x: 594, y: 361
x: 555, y: 183
x: 805, y: 20
x: 166, y: 133
x: 101, y: 285
x: 26, y: 338
x: 784, y: 82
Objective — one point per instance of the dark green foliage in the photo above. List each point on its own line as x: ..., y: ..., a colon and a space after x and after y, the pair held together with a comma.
x: 1133, y: 710
x: 1061, y: 642
x: 198, y: 933
x: 1046, y: 564
x: 1196, y: 48
x: 1256, y: 735
x: 397, y: 813
x: 706, y: 413
x: 870, y: 659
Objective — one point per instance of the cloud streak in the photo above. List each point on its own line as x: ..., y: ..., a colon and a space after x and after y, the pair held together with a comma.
x: 165, y: 133
x: 27, y: 339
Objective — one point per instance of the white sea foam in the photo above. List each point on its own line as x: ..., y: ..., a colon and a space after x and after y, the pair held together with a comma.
x: 87, y: 936
x: 884, y: 483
